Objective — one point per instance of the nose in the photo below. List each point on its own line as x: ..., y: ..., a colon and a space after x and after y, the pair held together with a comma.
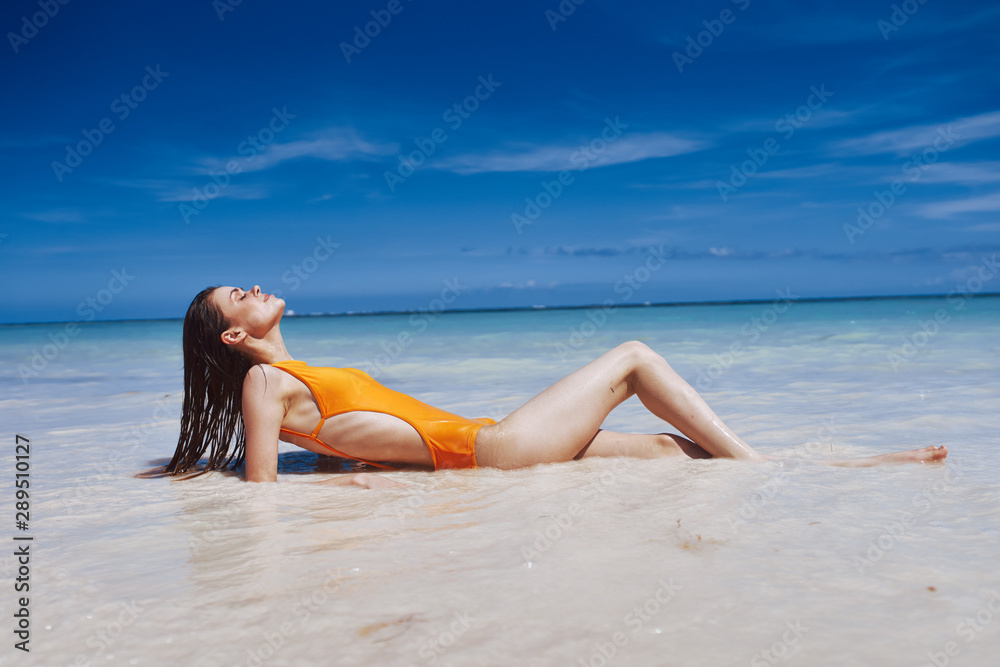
x: 256, y: 290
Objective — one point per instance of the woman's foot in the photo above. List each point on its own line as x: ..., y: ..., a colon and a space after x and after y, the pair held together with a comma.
x: 925, y: 455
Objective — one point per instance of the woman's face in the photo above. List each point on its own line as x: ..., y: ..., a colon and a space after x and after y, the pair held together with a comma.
x: 251, y: 311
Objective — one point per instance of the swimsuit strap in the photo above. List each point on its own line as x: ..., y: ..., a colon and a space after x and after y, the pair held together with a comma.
x: 315, y: 434
x: 450, y: 439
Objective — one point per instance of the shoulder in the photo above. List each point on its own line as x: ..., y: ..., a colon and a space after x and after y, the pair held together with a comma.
x: 260, y: 373
x: 263, y: 382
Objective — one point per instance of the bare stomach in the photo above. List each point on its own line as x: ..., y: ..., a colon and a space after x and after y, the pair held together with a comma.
x: 366, y: 435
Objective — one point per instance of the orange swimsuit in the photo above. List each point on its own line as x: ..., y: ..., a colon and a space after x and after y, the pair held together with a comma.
x: 451, y: 439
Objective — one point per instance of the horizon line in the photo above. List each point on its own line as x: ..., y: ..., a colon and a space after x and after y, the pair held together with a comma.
x: 645, y: 304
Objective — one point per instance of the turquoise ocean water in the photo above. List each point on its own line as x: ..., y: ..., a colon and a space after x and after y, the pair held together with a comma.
x: 596, y: 562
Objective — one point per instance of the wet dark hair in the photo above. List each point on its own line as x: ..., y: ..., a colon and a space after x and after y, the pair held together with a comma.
x: 212, y: 416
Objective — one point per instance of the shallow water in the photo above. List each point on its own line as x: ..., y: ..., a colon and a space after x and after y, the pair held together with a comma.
x: 602, y: 561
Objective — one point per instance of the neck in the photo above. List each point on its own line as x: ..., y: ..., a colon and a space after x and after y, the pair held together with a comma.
x: 267, y: 350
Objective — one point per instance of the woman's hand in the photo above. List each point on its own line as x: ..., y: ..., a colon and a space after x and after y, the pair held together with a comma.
x: 372, y: 481
x: 365, y: 480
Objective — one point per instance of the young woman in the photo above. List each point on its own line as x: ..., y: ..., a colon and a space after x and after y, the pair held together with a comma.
x: 241, y: 383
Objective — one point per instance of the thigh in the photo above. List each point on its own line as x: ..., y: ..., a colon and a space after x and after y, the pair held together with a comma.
x: 559, y: 422
x: 642, y: 446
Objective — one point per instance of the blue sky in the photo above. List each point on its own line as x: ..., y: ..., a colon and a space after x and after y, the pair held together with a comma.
x: 522, y: 154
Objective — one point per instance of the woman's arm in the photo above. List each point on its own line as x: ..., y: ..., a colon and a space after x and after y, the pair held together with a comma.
x: 263, y: 410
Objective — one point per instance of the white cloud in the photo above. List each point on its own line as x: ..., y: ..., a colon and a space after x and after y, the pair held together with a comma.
x: 946, y: 209
x: 171, y: 190
x: 809, y: 171
x: 985, y: 227
x: 964, y: 173
x: 918, y: 137
x: 630, y: 148
x: 824, y: 117
x: 335, y: 144
x: 188, y: 193
x: 56, y: 215
x: 521, y: 286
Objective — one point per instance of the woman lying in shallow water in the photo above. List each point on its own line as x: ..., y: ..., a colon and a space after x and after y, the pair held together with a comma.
x: 240, y: 382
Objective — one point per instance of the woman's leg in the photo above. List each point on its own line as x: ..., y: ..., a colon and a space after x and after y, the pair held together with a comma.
x: 666, y: 394
x: 559, y: 422
x: 670, y: 446
x: 923, y: 455
x: 642, y: 446
x: 564, y: 420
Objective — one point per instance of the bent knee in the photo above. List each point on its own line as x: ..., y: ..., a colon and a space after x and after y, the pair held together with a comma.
x: 633, y: 347
x: 638, y: 351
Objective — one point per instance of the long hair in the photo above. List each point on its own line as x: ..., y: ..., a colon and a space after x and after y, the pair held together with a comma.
x: 211, y: 417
